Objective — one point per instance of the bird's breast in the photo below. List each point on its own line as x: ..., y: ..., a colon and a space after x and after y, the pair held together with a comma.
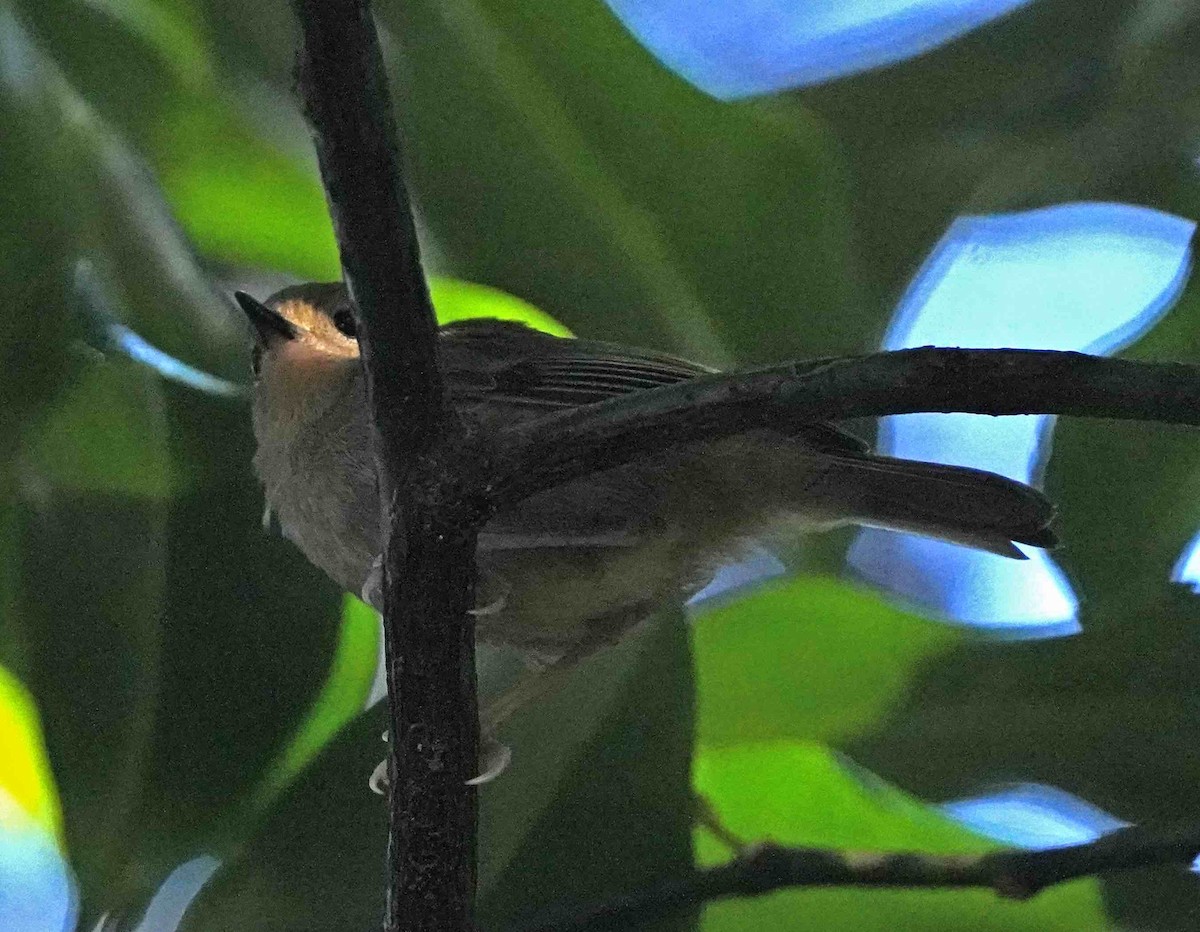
x: 321, y: 487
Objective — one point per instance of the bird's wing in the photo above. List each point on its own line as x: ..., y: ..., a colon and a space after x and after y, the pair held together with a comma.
x: 530, y: 374
x: 491, y: 360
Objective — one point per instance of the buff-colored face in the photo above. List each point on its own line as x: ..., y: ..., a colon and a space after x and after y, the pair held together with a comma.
x: 316, y: 327
x: 305, y: 351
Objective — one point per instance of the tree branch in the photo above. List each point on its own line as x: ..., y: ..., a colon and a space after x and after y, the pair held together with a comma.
x: 537, y: 455
x: 433, y: 498
x: 429, y: 551
x: 1014, y: 873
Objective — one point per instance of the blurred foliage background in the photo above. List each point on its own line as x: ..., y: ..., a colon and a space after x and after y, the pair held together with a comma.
x: 183, y: 694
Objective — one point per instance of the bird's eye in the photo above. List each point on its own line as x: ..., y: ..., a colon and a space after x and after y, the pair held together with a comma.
x: 346, y: 325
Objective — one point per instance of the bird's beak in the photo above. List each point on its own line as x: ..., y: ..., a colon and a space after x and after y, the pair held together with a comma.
x: 269, y: 324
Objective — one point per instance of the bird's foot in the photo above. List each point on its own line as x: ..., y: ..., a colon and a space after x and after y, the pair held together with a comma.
x: 494, y: 758
x: 372, y: 590
x: 378, y: 781
x: 492, y: 590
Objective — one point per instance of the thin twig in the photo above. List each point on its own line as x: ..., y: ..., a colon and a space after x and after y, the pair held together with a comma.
x: 429, y: 553
x: 541, y: 454
x: 1013, y: 873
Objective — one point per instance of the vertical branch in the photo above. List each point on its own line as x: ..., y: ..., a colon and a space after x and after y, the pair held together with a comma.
x: 429, y: 552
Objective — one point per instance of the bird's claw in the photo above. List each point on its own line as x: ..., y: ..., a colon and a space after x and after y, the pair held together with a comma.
x: 372, y: 590
x: 378, y: 781
x: 496, y: 590
x: 494, y: 758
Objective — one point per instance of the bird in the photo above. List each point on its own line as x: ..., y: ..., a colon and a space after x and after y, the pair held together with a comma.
x: 571, y: 569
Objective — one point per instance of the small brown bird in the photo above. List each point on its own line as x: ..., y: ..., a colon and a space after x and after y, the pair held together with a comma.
x: 570, y: 569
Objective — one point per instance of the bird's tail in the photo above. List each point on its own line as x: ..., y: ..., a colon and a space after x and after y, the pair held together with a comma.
x: 953, y: 503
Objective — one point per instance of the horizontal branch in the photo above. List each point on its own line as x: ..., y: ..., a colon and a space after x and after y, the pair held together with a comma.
x: 1013, y: 873
x: 547, y: 452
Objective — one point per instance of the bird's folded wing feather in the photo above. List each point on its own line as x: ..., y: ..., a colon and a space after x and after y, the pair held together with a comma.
x: 505, y: 362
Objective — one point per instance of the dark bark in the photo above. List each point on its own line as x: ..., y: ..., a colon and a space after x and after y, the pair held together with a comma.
x: 429, y: 552
x: 551, y: 451
x: 1013, y: 873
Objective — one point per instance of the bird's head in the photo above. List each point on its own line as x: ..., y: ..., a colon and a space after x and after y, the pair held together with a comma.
x: 305, y: 352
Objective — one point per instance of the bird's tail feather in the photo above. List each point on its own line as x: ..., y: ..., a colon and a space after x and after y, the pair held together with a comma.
x: 953, y: 503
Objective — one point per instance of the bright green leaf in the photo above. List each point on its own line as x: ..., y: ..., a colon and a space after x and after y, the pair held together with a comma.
x: 799, y: 793
x: 241, y: 199
x: 809, y: 658
x: 25, y: 777
x: 457, y: 300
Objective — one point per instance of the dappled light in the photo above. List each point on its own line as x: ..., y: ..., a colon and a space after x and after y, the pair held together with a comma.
x: 1087, y: 276
x: 1004, y: 597
x: 1032, y: 815
x: 142, y: 351
x: 733, y: 50
x: 37, y: 891
x: 808, y: 795
x: 1187, y: 568
x: 757, y: 566
x: 167, y: 907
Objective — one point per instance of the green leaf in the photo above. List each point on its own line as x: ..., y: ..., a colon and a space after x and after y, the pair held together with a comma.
x: 799, y: 793
x: 810, y: 658
x: 251, y: 631
x: 26, y: 779
x: 597, y: 799
x: 101, y: 203
x: 105, y: 434
x: 1111, y: 714
x: 38, y: 188
x: 599, y: 775
x: 83, y: 611
x: 1001, y: 119
x: 170, y: 29
x: 554, y: 158
x: 245, y: 201
x: 315, y: 861
x: 458, y: 300
x: 342, y: 698
x: 87, y: 617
